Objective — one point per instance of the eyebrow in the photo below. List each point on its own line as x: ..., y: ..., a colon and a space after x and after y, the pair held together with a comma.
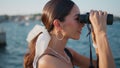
x: 77, y: 15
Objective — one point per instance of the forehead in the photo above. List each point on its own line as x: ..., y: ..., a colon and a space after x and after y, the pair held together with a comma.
x: 75, y: 10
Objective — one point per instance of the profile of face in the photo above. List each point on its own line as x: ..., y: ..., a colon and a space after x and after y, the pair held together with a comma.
x: 61, y: 17
x: 72, y: 26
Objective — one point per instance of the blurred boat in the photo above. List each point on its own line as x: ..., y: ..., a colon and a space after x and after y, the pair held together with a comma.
x: 2, y: 38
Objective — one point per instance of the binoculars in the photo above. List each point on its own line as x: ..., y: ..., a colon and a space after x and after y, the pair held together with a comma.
x: 84, y: 18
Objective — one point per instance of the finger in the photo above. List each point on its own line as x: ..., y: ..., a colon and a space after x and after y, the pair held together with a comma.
x: 91, y: 12
x: 100, y: 12
x: 105, y: 13
x: 96, y: 13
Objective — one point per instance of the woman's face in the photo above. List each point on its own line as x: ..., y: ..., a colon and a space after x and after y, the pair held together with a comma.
x: 72, y: 26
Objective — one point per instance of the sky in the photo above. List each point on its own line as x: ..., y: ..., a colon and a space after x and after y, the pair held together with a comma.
x: 21, y: 7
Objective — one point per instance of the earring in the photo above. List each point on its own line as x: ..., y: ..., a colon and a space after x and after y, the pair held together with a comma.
x: 59, y: 35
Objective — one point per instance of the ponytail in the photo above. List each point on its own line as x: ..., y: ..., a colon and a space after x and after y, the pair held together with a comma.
x: 29, y: 56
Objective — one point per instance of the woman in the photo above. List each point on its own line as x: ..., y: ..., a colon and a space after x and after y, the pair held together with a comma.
x: 61, y: 20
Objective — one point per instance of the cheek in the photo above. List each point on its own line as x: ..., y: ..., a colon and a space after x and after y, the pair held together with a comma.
x: 70, y: 28
x: 71, y: 24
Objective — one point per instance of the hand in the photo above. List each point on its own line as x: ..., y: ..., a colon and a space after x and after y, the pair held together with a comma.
x: 98, y: 20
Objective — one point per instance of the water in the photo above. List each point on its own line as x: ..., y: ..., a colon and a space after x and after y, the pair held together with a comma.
x: 12, y: 55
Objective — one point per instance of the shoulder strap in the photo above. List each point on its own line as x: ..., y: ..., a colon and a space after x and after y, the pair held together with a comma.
x: 69, y: 54
x: 46, y: 53
x: 66, y: 50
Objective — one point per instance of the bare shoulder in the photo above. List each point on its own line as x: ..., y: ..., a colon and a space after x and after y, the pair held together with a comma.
x: 47, y: 61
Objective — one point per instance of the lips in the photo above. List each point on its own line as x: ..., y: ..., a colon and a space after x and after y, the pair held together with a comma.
x: 79, y: 32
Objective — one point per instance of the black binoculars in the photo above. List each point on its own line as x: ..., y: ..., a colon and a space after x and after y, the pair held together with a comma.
x: 84, y: 18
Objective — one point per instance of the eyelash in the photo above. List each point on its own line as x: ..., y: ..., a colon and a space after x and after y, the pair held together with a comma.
x: 77, y: 19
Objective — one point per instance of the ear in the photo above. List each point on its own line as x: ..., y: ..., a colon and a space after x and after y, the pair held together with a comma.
x: 57, y: 24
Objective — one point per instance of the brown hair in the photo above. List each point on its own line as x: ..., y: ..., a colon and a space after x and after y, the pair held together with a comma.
x: 54, y: 9
x: 29, y: 56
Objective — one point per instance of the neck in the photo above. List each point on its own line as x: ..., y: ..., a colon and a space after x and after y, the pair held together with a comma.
x: 58, y: 45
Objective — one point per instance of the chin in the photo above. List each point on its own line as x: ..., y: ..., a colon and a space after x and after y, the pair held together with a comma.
x: 76, y: 38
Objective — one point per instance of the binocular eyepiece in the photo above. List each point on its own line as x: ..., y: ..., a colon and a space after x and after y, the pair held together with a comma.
x: 84, y: 18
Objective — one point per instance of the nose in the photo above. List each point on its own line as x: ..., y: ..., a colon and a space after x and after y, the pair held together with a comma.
x: 82, y: 24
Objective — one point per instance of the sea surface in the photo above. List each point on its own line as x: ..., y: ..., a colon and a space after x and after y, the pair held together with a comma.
x: 16, y: 32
